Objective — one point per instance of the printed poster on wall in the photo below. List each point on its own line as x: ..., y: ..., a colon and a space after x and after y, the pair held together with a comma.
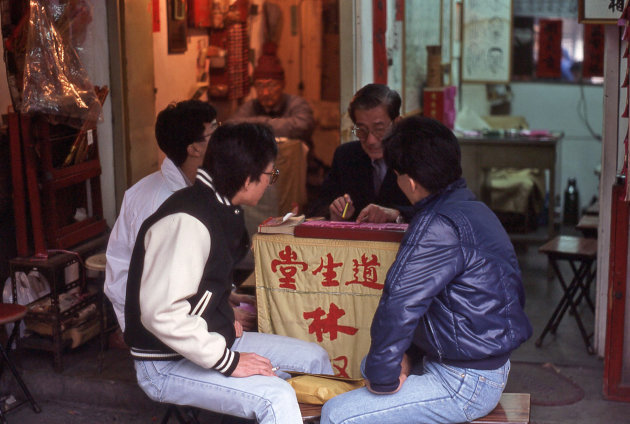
x: 487, y: 41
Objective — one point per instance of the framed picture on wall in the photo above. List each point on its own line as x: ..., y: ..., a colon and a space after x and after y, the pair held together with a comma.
x: 177, y: 25
x: 486, y: 41
x: 599, y: 11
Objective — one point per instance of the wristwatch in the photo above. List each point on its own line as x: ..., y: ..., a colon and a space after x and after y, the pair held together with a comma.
x: 400, y: 219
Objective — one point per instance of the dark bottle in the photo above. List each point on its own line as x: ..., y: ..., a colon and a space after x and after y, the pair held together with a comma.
x: 571, y: 204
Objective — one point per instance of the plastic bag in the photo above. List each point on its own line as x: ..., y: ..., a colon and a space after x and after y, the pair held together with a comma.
x: 29, y: 288
x: 55, y: 82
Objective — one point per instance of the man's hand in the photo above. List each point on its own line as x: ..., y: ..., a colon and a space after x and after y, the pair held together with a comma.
x: 377, y: 214
x: 237, y: 298
x: 246, y: 319
x: 252, y: 364
x: 244, y: 316
x: 338, y: 205
x: 238, y: 328
x: 405, y: 366
x: 405, y: 370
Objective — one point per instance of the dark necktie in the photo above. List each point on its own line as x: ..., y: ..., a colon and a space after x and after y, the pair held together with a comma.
x: 379, y: 174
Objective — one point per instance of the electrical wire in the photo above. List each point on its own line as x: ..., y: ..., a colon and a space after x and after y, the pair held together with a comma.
x: 583, y: 113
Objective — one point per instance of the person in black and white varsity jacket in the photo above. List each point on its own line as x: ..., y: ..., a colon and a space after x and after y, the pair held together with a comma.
x: 188, y: 348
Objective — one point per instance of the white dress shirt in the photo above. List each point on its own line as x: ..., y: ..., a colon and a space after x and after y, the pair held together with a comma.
x: 139, y: 202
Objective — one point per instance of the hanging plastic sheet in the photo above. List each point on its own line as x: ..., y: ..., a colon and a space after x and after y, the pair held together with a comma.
x: 55, y: 83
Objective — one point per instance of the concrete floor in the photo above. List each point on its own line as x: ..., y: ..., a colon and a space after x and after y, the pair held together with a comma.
x: 80, y: 395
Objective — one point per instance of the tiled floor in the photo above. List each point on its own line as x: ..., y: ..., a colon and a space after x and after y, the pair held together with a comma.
x: 81, y: 395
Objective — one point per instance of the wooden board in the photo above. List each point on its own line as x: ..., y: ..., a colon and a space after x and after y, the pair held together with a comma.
x: 513, y: 408
x: 351, y: 231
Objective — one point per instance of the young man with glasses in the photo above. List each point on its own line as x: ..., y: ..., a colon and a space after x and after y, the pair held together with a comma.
x: 182, y: 131
x: 287, y: 115
x: 188, y: 348
x: 359, y: 177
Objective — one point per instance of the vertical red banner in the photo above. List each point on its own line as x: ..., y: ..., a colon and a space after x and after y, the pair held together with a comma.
x: 593, y: 65
x: 156, y: 15
x: 549, y: 49
x: 400, y: 10
x: 379, y: 49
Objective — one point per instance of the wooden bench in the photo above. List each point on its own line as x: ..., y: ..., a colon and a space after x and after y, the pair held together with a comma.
x: 513, y: 408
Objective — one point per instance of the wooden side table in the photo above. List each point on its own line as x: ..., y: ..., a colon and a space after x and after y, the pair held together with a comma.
x: 580, y: 253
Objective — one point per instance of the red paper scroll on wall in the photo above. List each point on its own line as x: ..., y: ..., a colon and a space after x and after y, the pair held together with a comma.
x: 593, y: 51
x: 379, y: 49
x: 549, y: 49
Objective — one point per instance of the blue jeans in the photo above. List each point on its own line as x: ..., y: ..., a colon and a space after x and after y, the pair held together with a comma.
x: 440, y: 394
x: 266, y: 399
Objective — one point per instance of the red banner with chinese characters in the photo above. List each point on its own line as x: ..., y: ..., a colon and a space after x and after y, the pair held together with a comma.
x: 156, y: 15
x: 593, y: 65
x: 549, y: 49
x: 379, y: 48
x: 323, y: 291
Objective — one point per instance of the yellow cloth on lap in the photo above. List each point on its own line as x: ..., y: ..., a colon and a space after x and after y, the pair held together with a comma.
x: 317, y: 389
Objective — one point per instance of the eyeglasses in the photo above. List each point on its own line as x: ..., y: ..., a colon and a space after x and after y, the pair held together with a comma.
x: 213, y: 127
x: 273, y: 175
x: 271, y: 85
x: 362, y: 133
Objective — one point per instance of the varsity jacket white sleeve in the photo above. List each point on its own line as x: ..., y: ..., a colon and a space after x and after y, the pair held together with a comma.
x: 177, y: 249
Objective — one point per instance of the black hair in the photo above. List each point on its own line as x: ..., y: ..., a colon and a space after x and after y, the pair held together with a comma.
x: 425, y: 150
x: 181, y: 124
x: 373, y: 95
x: 236, y: 152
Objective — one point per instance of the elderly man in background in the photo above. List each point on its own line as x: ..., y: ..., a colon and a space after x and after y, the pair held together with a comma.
x: 288, y: 115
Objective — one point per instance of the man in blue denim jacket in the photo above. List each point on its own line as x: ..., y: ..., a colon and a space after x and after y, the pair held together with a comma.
x: 452, y: 307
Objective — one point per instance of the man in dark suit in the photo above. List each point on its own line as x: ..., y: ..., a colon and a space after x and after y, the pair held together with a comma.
x: 359, y: 181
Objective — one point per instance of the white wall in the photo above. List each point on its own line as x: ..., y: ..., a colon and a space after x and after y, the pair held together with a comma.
x: 554, y: 107
x: 175, y: 74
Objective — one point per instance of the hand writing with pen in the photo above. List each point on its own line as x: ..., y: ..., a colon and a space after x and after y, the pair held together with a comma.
x: 342, y: 209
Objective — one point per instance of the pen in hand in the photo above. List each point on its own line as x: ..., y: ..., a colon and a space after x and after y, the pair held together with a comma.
x: 345, y: 208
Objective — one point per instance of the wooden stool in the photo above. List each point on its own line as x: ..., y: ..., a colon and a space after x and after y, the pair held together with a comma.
x: 581, y: 254
x: 513, y: 408
x: 13, y: 313
x: 96, y: 262
x: 310, y: 413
